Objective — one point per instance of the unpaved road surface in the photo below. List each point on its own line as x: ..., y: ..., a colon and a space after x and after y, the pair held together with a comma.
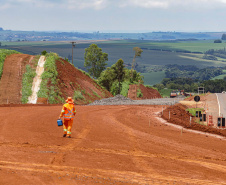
x: 119, y: 144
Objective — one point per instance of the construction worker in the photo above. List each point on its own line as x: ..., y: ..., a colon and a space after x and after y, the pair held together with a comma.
x: 68, y: 112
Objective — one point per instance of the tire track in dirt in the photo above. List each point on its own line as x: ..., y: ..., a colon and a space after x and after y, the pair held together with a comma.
x: 104, y: 175
x: 140, y: 158
x: 59, y: 157
x: 140, y: 162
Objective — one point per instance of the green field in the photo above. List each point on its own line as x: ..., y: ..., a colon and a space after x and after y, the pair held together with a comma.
x: 153, y: 78
x: 155, y: 53
x: 166, y: 92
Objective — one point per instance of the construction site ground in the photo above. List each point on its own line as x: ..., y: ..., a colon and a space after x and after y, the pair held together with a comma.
x: 119, y: 144
x: 110, y: 144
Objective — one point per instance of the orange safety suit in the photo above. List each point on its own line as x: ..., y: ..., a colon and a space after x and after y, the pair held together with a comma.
x: 68, y: 112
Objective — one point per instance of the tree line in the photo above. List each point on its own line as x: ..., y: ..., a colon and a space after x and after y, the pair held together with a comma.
x: 191, y: 85
x: 115, y: 79
x: 183, y: 71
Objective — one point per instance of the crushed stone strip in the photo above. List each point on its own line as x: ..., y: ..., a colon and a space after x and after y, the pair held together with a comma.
x: 121, y: 100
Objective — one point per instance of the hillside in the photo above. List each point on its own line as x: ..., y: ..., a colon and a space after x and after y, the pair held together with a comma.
x: 11, y: 81
x: 69, y: 80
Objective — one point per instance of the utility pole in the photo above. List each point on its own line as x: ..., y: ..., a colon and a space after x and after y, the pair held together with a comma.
x: 73, y: 45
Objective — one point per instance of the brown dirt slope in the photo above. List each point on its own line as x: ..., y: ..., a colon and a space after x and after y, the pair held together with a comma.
x: 178, y: 115
x: 71, y: 79
x: 11, y: 81
x: 148, y: 93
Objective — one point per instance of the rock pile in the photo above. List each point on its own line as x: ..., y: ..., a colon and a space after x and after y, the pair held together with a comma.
x: 121, y: 100
x: 116, y: 100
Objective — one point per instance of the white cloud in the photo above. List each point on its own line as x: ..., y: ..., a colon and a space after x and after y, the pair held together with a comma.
x: 163, y: 4
x: 101, y: 4
x: 5, y: 6
x: 144, y: 3
x: 81, y: 4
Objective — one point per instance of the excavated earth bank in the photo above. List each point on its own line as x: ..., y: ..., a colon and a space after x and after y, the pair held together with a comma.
x: 179, y: 116
x: 11, y: 81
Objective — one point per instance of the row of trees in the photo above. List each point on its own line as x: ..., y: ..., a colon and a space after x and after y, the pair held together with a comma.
x: 191, y: 85
x: 176, y: 71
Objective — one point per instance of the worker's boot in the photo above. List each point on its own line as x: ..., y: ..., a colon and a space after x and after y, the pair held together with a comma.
x: 64, y: 135
x: 68, y: 136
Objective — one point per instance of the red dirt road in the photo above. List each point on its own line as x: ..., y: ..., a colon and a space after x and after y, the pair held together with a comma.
x: 109, y: 145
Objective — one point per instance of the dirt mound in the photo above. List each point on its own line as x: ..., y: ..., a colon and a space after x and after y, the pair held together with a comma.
x: 11, y: 81
x: 202, y: 97
x: 147, y: 92
x: 117, y: 100
x: 70, y: 79
x: 178, y: 115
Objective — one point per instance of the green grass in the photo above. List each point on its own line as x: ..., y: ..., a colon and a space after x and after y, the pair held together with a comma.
x: 125, y: 88
x: 27, y: 83
x: 48, y: 87
x: 139, y: 93
x: 219, y: 77
x: 153, y: 78
x: 192, y: 111
x: 165, y: 92
x: 78, y: 96
x: 96, y: 94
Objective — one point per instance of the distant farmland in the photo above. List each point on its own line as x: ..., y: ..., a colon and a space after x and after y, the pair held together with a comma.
x: 154, y: 53
x: 153, y: 78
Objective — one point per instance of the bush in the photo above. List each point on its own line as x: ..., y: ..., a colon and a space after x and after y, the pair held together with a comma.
x: 125, y: 88
x: 139, y: 93
x: 218, y: 41
x: 44, y: 52
x: 48, y: 87
x: 78, y: 96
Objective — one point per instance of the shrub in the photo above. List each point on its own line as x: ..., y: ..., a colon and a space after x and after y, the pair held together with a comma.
x: 139, y: 93
x: 48, y: 87
x: 218, y: 41
x: 78, y: 95
x: 96, y: 94
x: 125, y: 88
x: 44, y: 52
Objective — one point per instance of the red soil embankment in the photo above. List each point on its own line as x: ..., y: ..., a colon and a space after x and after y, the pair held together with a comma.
x: 147, y: 92
x: 178, y: 115
x: 70, y: 79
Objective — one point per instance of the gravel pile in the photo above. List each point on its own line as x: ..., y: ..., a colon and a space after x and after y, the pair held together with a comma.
x: 121, y: 100
x: 117, y: 100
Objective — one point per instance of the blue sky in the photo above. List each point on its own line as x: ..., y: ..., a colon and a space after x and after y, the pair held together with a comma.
x: 113, y: 15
